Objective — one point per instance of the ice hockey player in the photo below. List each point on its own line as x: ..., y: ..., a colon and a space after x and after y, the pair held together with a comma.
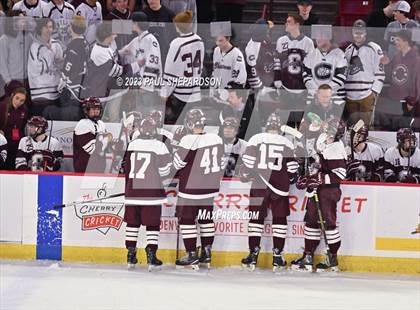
x: 365, y: 76
x: 3, y: 150
x: 325, y: 65
x: 38, y: 151
x: 90, y: 139
x: 234, y: 146
x: 270, y: 164
x: 323, y: 181
x: 183, y: 67
x: 91, y: 10
x: 199, y: 161
x: 367, y: 162
x: 402, y: 162
x: 147, y: 163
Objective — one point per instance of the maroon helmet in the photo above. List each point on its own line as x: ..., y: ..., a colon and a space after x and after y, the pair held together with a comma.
x: 194, y: 119
x: 273, y: 122
x: 148, y: 128
x: 404, y: 134
x: 89, y: 103
x: 157, y: 116
x: 39, y: 123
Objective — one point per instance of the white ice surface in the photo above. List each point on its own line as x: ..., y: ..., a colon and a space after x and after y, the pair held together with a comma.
x: 52, y: 285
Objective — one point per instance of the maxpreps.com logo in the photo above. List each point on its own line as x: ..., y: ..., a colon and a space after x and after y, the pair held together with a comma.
x: 101, y: 216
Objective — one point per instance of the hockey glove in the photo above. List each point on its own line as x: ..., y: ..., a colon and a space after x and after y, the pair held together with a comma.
x: 301, y: 183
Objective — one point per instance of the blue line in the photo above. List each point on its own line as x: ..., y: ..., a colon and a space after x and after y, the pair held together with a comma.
x: 49, y: 228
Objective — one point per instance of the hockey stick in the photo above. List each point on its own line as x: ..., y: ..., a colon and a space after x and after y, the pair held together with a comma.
x: 322, y: 225
x: 87, y: 201
x: 291, y: 131
x: 353, y: 132
x: 48, y: 146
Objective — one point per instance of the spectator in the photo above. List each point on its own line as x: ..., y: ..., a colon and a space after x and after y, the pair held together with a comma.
x: 402, y: 21
x: 305, y: 11
x: 404, y: 77
x: 91, y: 10
x: 325, y: 65
x: 179, y: 6
x: 61, y: 12
x: 106, y: 5
x: 229, y: 10
x: 365, y: 75
x: 111, y: 5
x: 160, y: 18
x: 103, y: 64
x: 13, y: 118
x: 44, y: 62
x: 74, y: 70
x: 14, y: 48
x: 32, y: 8
x: 416, y: 6
x: 120, y: 12
x: 382, y: 16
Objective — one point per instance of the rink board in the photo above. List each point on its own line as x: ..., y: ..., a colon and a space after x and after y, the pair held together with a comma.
x: 375, y: 222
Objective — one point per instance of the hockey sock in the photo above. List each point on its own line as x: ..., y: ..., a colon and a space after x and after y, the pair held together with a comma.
x: 312, y: 238
x: 254, y: 234
x: 207, y: 230
x: 279, y: 232
x: 131, y: 234
x: 152, y: 237
x: 333, y: 239
x: 189, y: 235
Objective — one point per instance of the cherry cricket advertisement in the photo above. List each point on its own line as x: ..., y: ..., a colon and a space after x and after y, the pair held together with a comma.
x: 100, y: 223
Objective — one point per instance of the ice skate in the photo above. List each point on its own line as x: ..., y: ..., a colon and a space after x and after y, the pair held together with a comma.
x: 330, y: 264
x: 152, y: 261
x: 279, y: 263
x: 250, y: 262
x: 131, y: 258
x: 303, y: 264
x: 205, y: 257
x: 190, y: 260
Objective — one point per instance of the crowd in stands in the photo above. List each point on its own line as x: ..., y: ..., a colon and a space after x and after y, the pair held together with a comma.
x: 56, y: 55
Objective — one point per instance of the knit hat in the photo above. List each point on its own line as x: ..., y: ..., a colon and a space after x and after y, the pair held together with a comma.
x: 183, y: 21
x: 141, y: 19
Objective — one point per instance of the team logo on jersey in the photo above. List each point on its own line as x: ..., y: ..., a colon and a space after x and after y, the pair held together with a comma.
x: 101, y: 216
x: 323, y: 71
x: 400, y: 74
x: 356, y: 65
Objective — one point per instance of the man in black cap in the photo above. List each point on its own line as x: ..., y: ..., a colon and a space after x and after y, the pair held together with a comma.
x: 305, y: 11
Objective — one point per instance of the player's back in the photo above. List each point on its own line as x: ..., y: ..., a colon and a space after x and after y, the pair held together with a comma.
x: 271, y: 156
x: 199, y: 158
x: 147, y: 162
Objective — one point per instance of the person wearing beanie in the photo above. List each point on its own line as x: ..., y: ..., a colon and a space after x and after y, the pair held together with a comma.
x: 184, y: 64
x: 402, y: 21
x: 305, y: 11
x: 365, y: 76
x: 144, y: 48
x: 161, y: 24
x: 73, y: 74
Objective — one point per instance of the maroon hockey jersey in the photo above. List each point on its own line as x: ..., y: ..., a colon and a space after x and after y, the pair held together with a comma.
x: 270, y: 161
x: 147, y: 161
x: 199, y: 159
